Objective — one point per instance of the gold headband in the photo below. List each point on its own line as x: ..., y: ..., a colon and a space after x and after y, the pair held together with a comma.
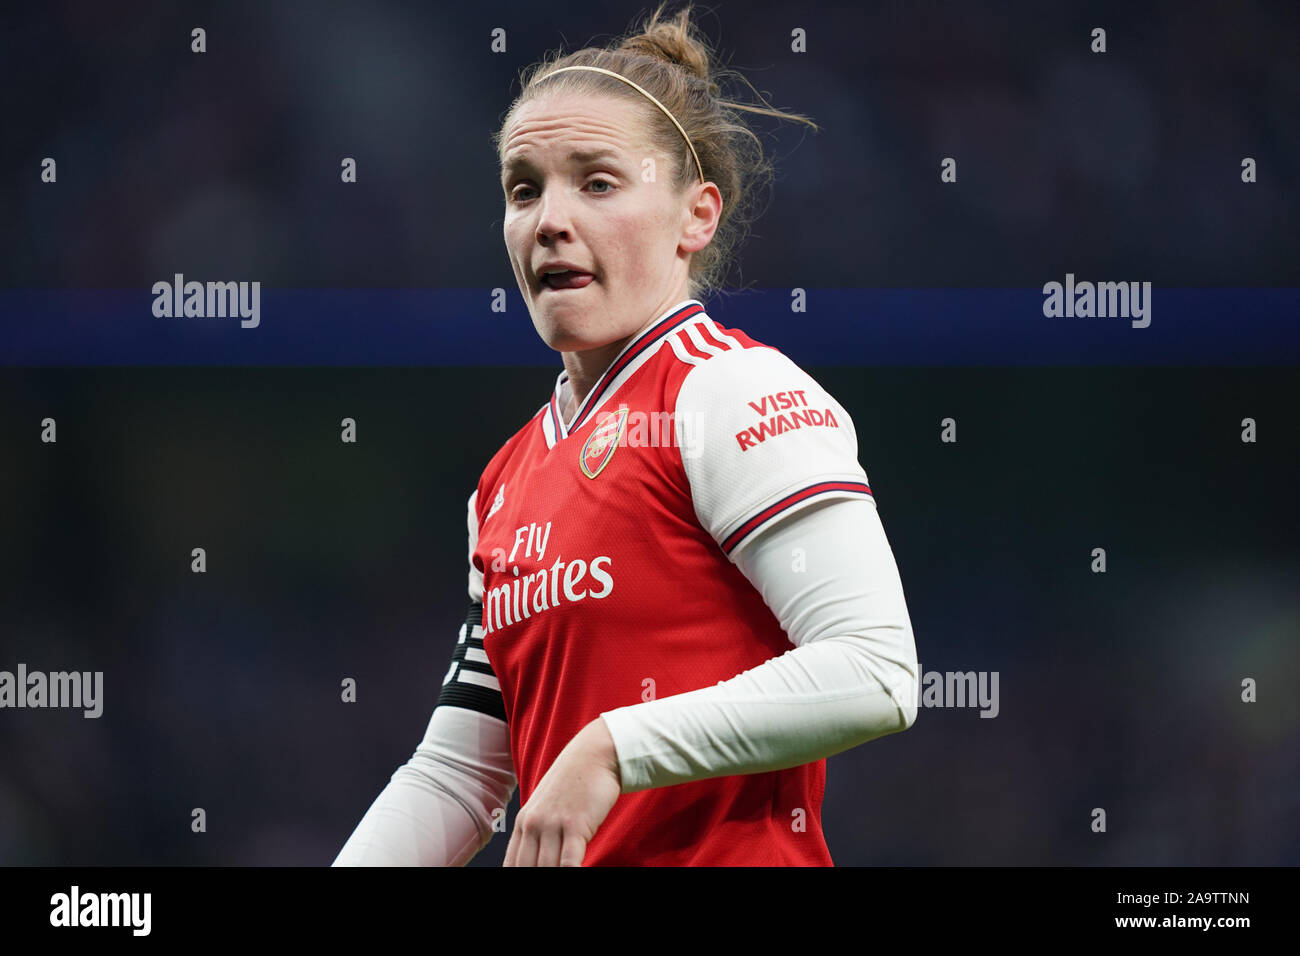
x: 620, y: 76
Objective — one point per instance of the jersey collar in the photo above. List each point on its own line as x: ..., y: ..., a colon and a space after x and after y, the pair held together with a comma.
x: 636, y: 353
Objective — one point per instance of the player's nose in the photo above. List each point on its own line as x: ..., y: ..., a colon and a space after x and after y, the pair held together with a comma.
x: 553, y: 217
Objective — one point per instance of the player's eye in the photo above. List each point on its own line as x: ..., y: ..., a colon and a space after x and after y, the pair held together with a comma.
x: 517, y: 194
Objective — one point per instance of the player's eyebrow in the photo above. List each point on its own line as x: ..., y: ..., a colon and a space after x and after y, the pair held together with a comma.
x: 576, y: 156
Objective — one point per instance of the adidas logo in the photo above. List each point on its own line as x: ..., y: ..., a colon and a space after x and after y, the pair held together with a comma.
x: 497, y: 502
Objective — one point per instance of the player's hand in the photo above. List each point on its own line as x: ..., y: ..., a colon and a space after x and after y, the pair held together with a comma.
x: 572, y: 800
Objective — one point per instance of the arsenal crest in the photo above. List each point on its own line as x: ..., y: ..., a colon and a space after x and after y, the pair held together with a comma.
x: 602, y: 442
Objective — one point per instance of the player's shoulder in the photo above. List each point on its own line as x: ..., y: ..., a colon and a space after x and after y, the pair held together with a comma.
x: 701, y: 339
x: 710, y: 363
x: 759, y: 437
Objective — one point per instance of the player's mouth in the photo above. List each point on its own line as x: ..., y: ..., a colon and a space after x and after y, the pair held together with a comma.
x: 560, y: 277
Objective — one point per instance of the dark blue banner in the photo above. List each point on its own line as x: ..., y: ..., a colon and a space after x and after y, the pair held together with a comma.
x: 1081, y: 325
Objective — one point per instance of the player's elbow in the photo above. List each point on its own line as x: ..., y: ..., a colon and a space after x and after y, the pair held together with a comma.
x: 886, y: 683
x: 907, y: 708
x: 481, y: 792
x: 888, y: 669
x: 908, y: 693
x: 903, y: 683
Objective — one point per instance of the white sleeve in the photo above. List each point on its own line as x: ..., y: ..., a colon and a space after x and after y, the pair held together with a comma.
x: 439, y: 808
x: 820, y: 560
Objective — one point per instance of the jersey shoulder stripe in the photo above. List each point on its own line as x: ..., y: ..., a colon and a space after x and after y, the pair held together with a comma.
x: 704, y: 339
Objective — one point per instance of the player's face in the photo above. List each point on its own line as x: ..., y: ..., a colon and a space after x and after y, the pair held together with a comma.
x: 597, y: 213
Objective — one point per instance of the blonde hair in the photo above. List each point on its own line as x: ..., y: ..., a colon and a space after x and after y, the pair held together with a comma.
x: 669, y: 59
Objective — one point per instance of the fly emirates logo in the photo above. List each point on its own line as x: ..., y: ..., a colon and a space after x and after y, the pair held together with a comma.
x: 522, y: 596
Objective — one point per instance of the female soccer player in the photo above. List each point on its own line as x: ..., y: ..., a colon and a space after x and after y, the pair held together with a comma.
x: 681, y: 596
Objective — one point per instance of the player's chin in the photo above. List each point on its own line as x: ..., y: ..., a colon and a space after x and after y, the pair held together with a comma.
x: 564, y: 322
x: 562, y: 340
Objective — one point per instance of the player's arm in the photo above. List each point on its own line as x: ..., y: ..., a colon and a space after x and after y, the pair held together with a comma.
x: 850, y: 678
x: 440, y: 807
x: 851, y: 675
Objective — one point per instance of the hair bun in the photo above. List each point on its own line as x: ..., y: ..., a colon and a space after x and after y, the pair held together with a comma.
x: 671, y: 41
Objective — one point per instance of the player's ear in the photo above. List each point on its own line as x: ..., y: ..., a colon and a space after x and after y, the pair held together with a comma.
x: 702, y: 215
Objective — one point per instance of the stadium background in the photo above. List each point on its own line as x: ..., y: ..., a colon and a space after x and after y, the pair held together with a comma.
x: 1118, y: 690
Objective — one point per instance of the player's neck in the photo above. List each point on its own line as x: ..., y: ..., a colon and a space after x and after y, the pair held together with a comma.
x: 584, y: 370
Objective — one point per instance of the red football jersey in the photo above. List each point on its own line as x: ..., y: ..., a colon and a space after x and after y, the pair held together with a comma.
x: 604, y: 548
